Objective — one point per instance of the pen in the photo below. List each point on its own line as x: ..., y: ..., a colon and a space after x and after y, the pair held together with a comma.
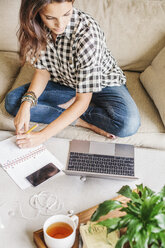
x: 32, y: 128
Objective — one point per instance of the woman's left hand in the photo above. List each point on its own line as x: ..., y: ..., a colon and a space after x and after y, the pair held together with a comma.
x: 30, y: 140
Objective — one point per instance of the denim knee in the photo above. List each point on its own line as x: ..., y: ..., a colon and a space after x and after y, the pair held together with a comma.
x: 10, y: 104
x: 13, y: 99
x: 129, y: 125
x: 7, y: 103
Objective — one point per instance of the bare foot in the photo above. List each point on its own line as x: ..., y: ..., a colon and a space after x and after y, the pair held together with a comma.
x: 83, y: 123
x: 67, y: 104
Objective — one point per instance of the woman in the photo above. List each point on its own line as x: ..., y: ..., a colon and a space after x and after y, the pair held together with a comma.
x: 73, y: 69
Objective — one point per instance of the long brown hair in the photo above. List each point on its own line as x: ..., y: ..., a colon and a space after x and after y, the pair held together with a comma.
x: 32, y: 32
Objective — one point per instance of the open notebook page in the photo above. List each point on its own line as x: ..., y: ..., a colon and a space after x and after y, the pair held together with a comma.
x: 20, y: 163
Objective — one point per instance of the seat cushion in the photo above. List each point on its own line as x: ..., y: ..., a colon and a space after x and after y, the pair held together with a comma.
x: 9, y: 68
x: 150, y: 118
x: 153, y: 79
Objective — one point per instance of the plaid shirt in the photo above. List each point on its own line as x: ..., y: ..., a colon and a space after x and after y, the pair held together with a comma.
x: 79, y: 57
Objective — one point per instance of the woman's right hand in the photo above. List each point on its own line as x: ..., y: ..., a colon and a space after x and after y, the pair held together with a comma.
x: 22, y: 119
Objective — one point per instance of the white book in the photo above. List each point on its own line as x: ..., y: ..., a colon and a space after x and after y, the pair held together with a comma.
x: 20, y: 163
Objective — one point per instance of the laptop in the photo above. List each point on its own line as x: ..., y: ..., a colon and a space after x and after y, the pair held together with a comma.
x: 100, y: 159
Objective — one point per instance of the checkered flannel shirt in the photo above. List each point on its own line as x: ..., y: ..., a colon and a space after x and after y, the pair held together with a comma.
x: 79, y: 57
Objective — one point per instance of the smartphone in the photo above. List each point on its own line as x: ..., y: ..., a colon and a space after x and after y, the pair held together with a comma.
x: 42, y: 174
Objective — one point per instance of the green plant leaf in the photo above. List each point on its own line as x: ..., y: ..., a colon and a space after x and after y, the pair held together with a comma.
x: 133, y: 208
x: 111, y: 224
x: 153, y: 228
x: 136, y: 246
x: 136, y: 198
x: 124, y: 220
x: 142, y: 238
x: 138, y: 203
x: 154, y: 246
x: 160, y: 220
x: 121, y: 242
x: 147, y: 207
x: 147, y: 193
x: 129, y: 211
x: 140, y: 188
x: 153, y: 239
x: 133, y: 228
x: 104, y: 208
x: 158, y: 208
x: 162, y: 238
x: 162, y: 192
x: 125, y: 191
x: 144, y: 191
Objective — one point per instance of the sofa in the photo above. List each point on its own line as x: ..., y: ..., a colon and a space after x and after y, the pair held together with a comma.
x: 135, y: 34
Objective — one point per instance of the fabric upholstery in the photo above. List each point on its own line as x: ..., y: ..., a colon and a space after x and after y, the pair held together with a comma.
x: 135, y: 29
x: 153, y: 79
x: 9, y: 67
x: 9, y: 12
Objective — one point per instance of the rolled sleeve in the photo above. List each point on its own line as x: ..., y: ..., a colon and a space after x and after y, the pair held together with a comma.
x: 40, y: 63
x: 88, y: 74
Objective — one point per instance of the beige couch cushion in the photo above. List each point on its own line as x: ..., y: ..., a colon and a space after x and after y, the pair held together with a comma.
x: 151, y: 125
x: 134, y: 29
x: 9, y: 11
x: 9, y: 68
x: 153, y: 79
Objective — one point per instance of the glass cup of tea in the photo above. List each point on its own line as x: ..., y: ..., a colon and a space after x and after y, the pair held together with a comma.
x: 60, y: 231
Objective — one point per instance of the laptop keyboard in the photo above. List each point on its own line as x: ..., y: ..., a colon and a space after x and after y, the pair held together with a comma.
x: 103, y: 164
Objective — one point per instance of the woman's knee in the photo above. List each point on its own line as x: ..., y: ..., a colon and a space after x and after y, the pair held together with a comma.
x: 129, y: 125
x: 13, y: 99
x: 9, y: 105
x: 12, y: 103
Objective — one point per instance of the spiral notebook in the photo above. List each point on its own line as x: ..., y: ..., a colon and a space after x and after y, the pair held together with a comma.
x: 20, y: 163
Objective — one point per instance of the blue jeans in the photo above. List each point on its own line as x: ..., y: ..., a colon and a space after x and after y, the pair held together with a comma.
x: 113, y: 109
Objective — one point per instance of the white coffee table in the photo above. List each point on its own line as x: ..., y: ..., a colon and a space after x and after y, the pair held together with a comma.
x: 75, y: 194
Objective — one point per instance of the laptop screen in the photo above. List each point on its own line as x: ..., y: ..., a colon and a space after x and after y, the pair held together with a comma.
x: 104, y: 148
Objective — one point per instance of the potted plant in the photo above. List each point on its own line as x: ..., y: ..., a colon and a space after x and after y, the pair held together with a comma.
x: 144, y: 219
